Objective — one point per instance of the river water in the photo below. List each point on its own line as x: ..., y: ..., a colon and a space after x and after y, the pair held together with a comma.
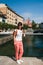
x: 33, y: 46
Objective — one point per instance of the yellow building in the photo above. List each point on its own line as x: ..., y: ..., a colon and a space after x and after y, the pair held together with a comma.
x: 11, y: 16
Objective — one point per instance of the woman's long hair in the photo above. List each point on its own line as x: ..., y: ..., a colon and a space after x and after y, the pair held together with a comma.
x: 19, y: 24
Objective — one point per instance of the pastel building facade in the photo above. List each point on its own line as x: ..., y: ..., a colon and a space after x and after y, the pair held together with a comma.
x: 11, y: 16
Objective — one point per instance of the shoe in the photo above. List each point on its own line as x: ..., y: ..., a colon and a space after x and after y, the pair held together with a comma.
x: 21, y: 60
x: 18, y: 62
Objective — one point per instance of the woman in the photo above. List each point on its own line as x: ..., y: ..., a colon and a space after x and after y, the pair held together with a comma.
x: 18, y: 44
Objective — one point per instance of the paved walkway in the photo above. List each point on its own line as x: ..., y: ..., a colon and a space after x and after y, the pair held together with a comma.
x: 4, y: 60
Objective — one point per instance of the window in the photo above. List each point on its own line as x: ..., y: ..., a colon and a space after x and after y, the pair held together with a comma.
x: 3, y: 20
x: 15, y: 21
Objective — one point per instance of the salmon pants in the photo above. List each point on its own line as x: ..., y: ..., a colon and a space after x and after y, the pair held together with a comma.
x: 18, y: 49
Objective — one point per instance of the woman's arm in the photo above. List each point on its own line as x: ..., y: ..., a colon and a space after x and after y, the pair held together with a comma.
x: 14, y: 34
x: 23, y: 33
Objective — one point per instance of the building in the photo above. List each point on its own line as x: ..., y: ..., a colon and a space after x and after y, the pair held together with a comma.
x: 11, y: 16
x: 2, y: 18
x: 28, y: 22
x: 41, y: 25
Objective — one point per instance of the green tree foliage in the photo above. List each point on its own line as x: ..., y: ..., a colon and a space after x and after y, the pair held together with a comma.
x: 7, y: 26
x: 25, y: 26
x: 33, y: 24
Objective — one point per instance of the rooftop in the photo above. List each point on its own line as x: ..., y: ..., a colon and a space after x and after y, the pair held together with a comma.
x: 5, y: 5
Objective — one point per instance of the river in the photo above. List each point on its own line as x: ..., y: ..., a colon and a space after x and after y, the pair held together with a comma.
x: 33, y: 46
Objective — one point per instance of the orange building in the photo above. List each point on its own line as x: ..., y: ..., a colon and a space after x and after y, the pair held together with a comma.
x: 28, y: 22
x: 11, y: 16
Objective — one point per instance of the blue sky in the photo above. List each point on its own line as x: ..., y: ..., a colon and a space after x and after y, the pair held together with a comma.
x: 32, y: 9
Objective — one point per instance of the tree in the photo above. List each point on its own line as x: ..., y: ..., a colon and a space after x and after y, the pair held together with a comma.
x: 0, y: 25
x: 25, y: 26
x: 7, y: 26
x: 33, y: 24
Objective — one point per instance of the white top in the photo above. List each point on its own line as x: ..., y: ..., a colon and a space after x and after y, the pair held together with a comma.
x: 19, y: 35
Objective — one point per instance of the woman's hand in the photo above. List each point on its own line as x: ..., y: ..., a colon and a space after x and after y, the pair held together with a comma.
x: 23, y: 33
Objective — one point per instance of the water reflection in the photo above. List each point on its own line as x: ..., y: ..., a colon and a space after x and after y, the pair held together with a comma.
x: 33, y: 46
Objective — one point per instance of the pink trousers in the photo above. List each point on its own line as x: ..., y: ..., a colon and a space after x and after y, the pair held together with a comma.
x: 18, y: 49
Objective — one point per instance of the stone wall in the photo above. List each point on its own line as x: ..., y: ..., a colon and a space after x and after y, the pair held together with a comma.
x: 5, y: 39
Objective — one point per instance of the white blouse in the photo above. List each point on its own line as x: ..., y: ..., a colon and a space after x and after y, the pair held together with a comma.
x: 19, y: 35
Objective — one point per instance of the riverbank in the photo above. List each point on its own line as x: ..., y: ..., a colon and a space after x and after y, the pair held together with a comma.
x: 5, y: 39
x: 5, y: 60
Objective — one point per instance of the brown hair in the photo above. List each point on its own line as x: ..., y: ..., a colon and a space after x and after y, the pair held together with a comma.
x: 19, y: 24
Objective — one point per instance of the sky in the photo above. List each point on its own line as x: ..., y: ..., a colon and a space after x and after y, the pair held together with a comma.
x: 32, y: 9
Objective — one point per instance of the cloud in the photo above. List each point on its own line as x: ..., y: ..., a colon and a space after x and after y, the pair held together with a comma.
x: 26, y: 15
x: 38, y: 19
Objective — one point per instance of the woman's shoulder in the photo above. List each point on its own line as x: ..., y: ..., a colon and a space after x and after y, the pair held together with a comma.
x: 22, y: 29
x: 15, y: 29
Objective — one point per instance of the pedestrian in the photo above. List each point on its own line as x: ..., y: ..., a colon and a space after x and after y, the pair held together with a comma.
x: 18, y: 44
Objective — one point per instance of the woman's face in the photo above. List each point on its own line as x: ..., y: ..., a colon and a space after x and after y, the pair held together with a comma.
x: 20, y: 26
